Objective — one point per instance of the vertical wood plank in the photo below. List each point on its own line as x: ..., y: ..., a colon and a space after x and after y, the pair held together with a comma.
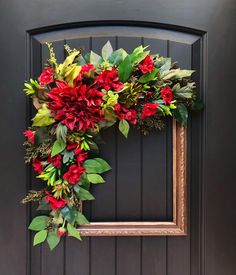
x: 104, y: 207
x: 179, y: 248
x: 77, y: 254
x: 57, y: 256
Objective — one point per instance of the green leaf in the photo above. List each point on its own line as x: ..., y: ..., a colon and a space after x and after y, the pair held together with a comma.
x: 95, y: 59
x: 73, y: 232
x: 40, y: 237
x: 117, y: 56
x: 185, y: 91
x: 41, y: 134
x: 81, y: 219
x: 85, y: 195
x: 69, y: 213
x: 44, y: 205
x: 96, y: 165
x: 53, y: 240
x: 124, y: 127
x: 125, y: 69
x: 67, y: 155
x: 181, y: 114
x: 58, y: 147
x: 95, y: 178
x: 176, y: 74
x: 39, y: 223
x: 61, y: 132
x: 43, y: 117
x: 84, y: 182
x: 198, y: 105
x: 149, y: 76
x: 107, y: 50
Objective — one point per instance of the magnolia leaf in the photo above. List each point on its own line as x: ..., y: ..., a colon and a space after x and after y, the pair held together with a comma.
x: 149, y: 76
x: 125, y: 69
x: 73, y: 232
x: 117, y: 56
x: 107, y: 50
x: 40, y: 237
x: 69, y: 213
x: 166, y: 66
x: 58, y: 147
x: 95, y: 178
x: 53, y: 240
x: 67, y: 155
x: 124, y: 127
x: 61, y: 132
x: 85, y: 195
x: 96, y: 165
x: 136, y: 59
x: 39, y: 223
x: 176, y: 74
x: 181, y: 114
x: 81, y: 219
x: 43, y: 117
x: 95, y: 59
x: 198, y: 105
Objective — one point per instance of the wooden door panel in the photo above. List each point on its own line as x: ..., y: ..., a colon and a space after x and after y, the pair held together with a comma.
x: 141, y: 171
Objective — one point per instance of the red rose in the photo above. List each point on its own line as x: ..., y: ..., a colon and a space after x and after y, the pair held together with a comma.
x: 73, y: 174
x: 109, y: 80
x: 149, y: 109
x: 80, y: 154
x: 56, y: 160
x: 55, y: 203
x: 147, y: 65
x: 85, y: 69
x: 61, y: 231
x: 30, y: 135
x: 167, y: 95
x: 37, y: 165
x: 46, y: 76
x: 124, y: 113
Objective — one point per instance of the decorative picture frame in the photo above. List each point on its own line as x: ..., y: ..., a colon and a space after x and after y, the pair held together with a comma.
x: 176, y: 227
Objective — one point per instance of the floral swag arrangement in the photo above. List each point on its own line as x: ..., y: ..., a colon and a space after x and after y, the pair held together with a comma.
x: 75, y: 102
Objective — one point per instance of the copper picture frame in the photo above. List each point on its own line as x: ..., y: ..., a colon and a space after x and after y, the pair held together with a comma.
x: 176, y: 227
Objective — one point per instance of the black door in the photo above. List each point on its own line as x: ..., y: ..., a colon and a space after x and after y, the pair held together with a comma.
x: 199, y: 35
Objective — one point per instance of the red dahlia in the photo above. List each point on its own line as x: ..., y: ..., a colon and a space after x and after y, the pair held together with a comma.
x: 149, y: 109
x: 147, y: 65
x: 109, y: 80
x: 79, y: 107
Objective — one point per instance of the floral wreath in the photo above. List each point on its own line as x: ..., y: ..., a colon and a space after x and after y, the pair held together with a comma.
x: 75, y: 102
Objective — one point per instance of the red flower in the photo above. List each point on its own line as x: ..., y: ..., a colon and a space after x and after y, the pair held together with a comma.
x: 73, y: 174
x: 37, y: 165
x: 61, y: 231
x: 147, y: 65
x: 56, y: 160
x: 149, y: 109
x: 46, y: 76
x: 81, y: 155
x: 85, y: 69
x: 109, y: 80
x: 30, y: 135
x: 55, y: 203
x: 167, y: 95
x: 79, y: 108
x: 124, y: 113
